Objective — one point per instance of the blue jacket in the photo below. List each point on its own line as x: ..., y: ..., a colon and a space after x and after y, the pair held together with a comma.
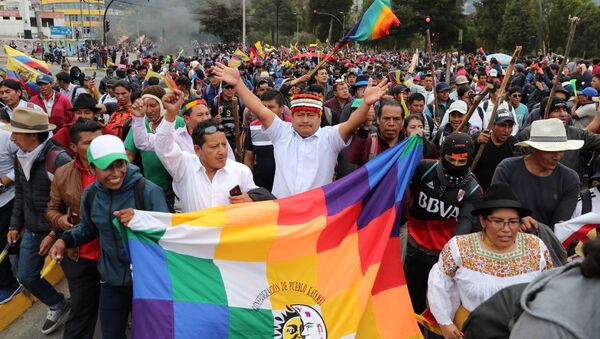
x: 96, y: 220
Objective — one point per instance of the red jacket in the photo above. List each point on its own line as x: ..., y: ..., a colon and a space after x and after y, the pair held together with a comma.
x: 60, y: 115
x: 63, y: 136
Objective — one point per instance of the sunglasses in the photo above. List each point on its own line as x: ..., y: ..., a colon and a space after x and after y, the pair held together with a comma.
x: 516, y: 95
x: 213, y: 129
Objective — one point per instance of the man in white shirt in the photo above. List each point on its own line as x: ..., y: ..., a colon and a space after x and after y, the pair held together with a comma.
x: 194, y: 112
x: 305, y: 154
x: 207, y: 178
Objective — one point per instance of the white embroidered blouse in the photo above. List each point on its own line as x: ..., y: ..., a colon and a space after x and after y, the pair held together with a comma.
x: 467, y: 274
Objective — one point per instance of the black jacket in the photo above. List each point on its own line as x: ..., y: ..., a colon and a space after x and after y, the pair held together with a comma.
x: 32, y: 196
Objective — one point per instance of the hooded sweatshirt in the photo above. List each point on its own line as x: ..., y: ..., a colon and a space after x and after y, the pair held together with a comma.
x: 96, y: 220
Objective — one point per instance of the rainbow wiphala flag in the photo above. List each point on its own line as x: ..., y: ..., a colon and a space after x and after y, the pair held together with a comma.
x: 322, y: 264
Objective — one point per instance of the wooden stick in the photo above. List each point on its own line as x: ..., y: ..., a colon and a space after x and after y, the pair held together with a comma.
x: 316, y: 68
x: 435, y: 107
x: 499, y: 99
x: 573, y: 24
x: 236, y: 123
x: 448, y: 67
x: 473, y: 107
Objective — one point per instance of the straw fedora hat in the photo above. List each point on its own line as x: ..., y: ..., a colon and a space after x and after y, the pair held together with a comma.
x: 28, y: 120
x: 550, y: 135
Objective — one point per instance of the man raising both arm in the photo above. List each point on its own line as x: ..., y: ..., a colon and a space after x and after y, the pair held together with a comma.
x: 305, y: 153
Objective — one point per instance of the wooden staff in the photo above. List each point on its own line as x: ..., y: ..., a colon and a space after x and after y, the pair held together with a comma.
x: 435, y: 107
x: 316, y: 68
x: 499, y: 99
x: 473, y: 107
x: 236, y: 123
x: 573, y: 24
x: 448, y: 67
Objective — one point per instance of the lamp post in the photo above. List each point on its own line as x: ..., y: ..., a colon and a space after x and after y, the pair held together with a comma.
x: 277, y: 7
x: 244, y: 23
x: 297, y: 27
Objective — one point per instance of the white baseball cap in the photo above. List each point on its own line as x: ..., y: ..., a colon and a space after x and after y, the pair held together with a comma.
x: 458, y: 106
x: 106, y: 149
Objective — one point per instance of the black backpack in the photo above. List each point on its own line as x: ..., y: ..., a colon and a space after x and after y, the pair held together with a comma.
x: 138, y: 191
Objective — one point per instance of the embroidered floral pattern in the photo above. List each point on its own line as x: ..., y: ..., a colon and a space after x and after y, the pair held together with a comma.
x: 524, y: 259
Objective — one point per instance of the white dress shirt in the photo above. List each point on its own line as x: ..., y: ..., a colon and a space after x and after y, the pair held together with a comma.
x: 303, y: 163
x: 49, y: 103
x: 23, y: 104
x: 144, y: 141
x: 8, y: 151
x: 190, y: 181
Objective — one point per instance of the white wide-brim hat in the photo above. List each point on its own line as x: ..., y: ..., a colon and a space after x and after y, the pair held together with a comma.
x: 550, y: 135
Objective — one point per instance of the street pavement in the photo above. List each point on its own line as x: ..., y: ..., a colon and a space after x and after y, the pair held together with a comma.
x: 29, y: 325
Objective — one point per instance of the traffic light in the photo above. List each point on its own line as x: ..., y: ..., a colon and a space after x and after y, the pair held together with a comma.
x: 315, y: 11
x: 107, y: 26
x: 427, y: 19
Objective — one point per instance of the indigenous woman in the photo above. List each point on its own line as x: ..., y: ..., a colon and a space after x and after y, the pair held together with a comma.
x: 475, y: 266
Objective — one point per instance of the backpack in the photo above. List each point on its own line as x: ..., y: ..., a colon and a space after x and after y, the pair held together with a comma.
x: 586, y: 201
x: 138, y: 193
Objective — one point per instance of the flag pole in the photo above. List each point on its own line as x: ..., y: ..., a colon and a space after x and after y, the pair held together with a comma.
x: 499, y: 99
x: 321, y: 63
x: 573, y: 24
x: 435, y: 107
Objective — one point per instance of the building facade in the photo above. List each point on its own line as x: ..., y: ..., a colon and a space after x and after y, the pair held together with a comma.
x: 83, y: 15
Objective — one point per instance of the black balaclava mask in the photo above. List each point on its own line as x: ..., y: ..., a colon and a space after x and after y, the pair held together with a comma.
x: 458, y: 145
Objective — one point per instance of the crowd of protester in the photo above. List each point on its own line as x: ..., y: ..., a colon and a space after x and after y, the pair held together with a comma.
x: 203, y: 134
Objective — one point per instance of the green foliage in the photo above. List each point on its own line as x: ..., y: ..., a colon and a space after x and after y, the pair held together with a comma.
x: 262, y: 20
x: 518, y: 26
x: 319, y: 23
x: 222, y: 19
x: 488, y: 14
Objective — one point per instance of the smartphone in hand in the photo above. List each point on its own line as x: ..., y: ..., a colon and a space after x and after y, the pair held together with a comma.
x: 235, y: 191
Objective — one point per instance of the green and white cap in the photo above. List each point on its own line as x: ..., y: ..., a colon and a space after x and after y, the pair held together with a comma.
x: 104, y: 150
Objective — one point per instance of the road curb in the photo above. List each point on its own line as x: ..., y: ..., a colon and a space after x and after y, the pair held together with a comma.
x: 12, y: 310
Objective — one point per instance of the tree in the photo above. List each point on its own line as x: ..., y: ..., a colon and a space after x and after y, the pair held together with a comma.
x: 488, y: 14
x: 516, y: 29
x: 263, y: 20
x: 320, y: 23
x: 222, y: 19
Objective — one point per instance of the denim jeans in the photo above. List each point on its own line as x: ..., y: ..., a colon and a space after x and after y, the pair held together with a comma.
x: 30, y: 266
x: 115, y: 306
x: 7, y: 278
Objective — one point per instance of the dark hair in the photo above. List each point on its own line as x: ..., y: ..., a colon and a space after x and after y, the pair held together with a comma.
x: 12, y: 84
x: 597, y: 76
x: 199, y: 131
x: 42, y: 137
x: 183, y: 81
x: 125, y: 84
x: 590, y: 267
x: 261, y: 82
x: 320, y: 69
x: 82, y: 125
x: 155, y: 90
x: 273, y: 95
x: 152, y: 81
x: 412, y: 117
x: 415, y: 97
x: 314, y: 88
x: 514, y: 89
x: 428, y: 75
x: 63, y: 76
x: 388, y: 102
